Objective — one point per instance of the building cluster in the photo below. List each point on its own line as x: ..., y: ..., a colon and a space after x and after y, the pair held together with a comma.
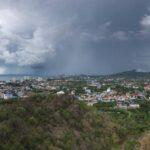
x: 8, y: 91
x: 132, y: 92
x: 122, y: 101
x: 123, y: 92
x: 28, y: 85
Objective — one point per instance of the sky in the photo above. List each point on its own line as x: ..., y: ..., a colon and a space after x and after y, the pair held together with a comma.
x: 74, y: 36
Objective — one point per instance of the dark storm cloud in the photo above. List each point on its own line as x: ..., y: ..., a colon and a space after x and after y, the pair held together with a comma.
x: 67, y: 36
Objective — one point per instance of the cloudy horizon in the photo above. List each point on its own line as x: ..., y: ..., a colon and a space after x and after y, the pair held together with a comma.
x: 74, y: 37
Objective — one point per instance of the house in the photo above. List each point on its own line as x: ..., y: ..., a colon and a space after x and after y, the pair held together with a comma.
x: 88, y: 91
x: 20, y: 94
x: 147, y: 87
x: 134, y: 106
x: 72, y: 92
x: 8, y: 95
x: 60, y: 93
x: 108, y: 90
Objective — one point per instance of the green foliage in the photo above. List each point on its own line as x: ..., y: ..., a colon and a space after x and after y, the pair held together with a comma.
x: 123, y: 90
x: 132, y: 123
x: 145, y: 106
x: 44, y: 122
x: 105, y: 105
x: 131, y: 144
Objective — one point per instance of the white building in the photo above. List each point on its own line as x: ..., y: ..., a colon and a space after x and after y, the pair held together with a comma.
x: 134, y: 106
x: 8, y: 96
x: 60, y: 93
x: 108, y: 90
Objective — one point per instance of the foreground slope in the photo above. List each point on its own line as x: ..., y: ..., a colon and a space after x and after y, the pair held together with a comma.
x: 43, y: 123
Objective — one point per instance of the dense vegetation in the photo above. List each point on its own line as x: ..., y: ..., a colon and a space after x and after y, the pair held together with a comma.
x: 46, y: 122
x: 134, y: 123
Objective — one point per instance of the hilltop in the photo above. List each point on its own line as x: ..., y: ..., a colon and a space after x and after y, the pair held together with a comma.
x: 131, y: 74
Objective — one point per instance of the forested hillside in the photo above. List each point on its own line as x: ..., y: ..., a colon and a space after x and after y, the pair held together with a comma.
x: 51, y: 123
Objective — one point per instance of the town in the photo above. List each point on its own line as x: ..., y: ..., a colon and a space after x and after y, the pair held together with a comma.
x: 123, y: 93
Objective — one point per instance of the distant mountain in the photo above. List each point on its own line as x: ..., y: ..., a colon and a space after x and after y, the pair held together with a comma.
x: 132, y: 74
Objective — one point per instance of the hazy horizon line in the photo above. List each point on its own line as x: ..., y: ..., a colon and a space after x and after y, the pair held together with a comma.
x: 69, y: 74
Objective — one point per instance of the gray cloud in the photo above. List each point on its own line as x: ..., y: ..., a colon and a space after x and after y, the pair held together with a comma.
x: 67, y: 36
